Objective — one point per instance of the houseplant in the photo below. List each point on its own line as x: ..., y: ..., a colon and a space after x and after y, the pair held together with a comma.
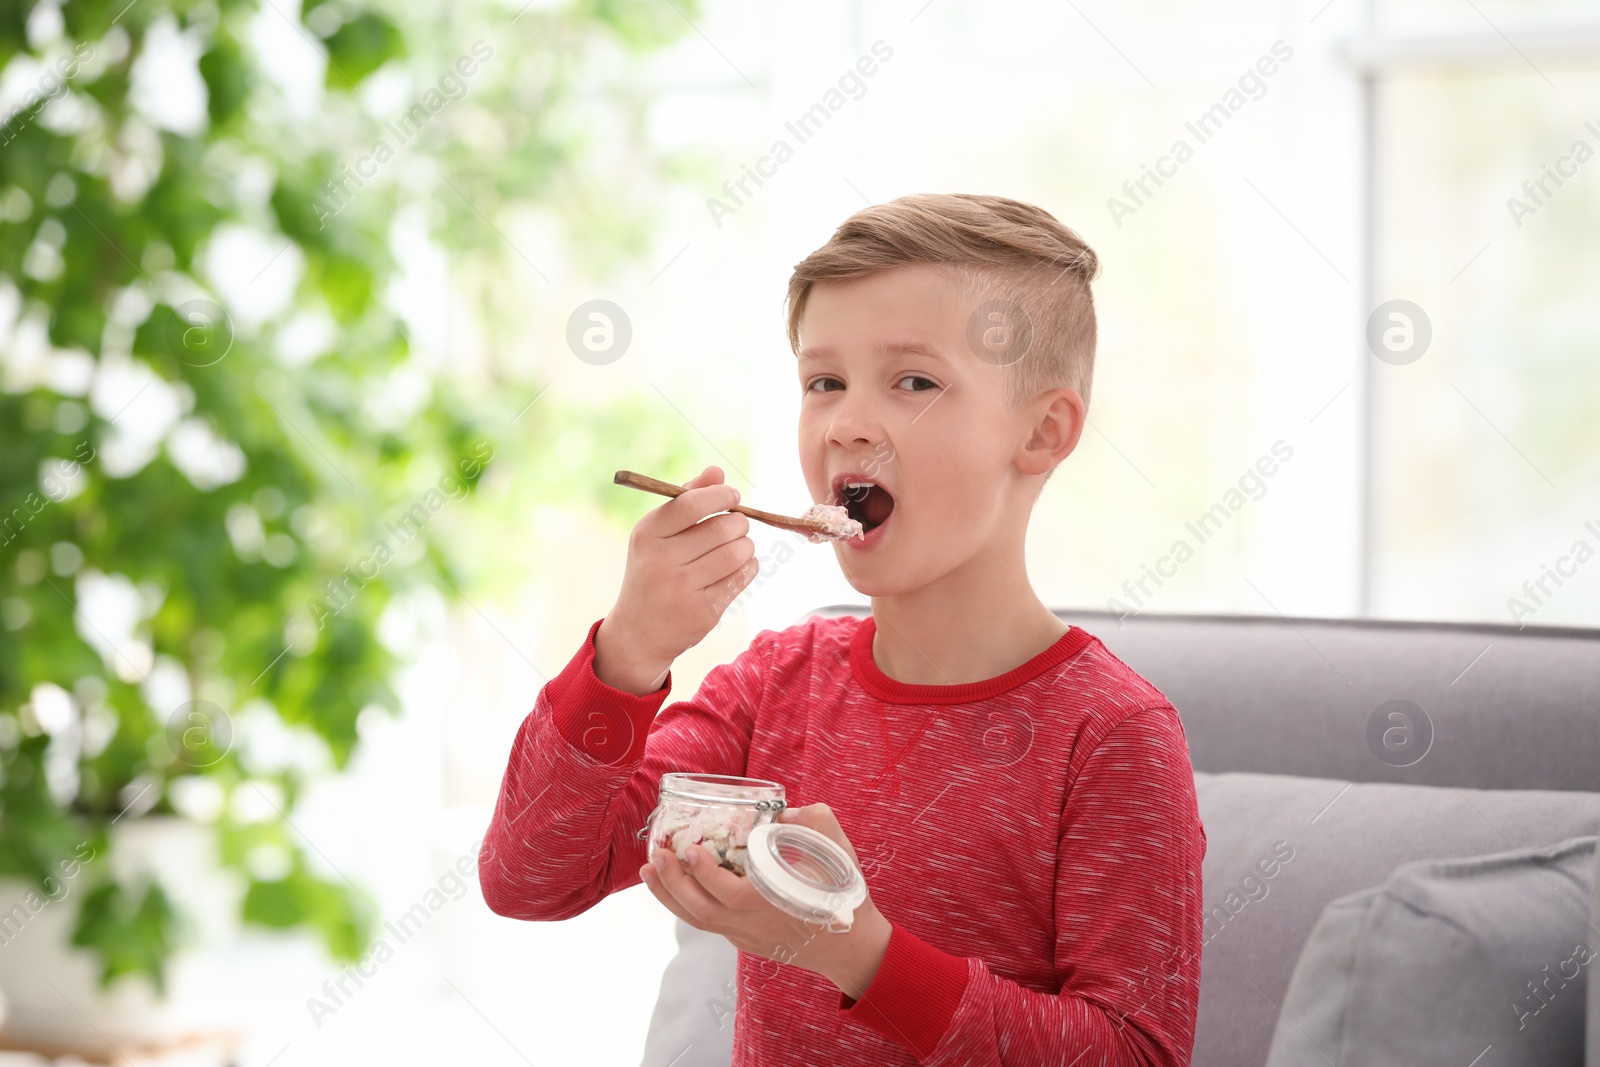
x: 252, y: 483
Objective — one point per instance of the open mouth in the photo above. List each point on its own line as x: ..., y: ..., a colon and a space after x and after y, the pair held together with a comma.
x: 867, y: 502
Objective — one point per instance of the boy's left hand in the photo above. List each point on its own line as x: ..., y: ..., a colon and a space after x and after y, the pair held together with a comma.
x: 712, y: 898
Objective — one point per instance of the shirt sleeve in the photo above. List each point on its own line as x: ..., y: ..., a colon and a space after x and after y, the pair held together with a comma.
x: 584, y: 773
x: 1128, y: 932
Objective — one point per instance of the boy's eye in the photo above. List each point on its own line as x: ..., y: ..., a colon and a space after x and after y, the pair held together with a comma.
x: 825, y: 384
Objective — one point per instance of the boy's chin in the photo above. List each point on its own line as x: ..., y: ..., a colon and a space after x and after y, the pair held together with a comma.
x: 871, y: 579
x: 880, y: 574
x: 873, y: 588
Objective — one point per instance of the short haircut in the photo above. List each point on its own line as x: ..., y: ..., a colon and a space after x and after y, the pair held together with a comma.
x: 995, y: 249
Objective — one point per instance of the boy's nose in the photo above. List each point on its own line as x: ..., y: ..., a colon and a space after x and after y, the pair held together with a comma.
x: 855, y: 424
x: 851, y: 435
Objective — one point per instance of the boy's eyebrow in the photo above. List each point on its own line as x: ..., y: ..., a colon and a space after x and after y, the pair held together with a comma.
x: 894, y: 348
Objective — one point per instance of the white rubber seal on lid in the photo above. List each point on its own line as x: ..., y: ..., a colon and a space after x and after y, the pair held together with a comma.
x: 805, y: 873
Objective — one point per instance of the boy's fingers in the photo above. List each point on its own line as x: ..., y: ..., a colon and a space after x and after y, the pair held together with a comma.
x: 721, y: 562
x: 722, y: 885
x: 817, y: 816
x: 708, y: 535
x: 709, y: 476
x: 821, y: 818
x: 689, y: 507
x: 699, y: 906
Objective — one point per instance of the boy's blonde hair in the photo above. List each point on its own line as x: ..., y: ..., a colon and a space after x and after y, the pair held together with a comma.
x: 1003, y: 254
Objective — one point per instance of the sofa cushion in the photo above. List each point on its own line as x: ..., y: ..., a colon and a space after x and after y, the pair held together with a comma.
x: 692, y: 1025
x: 1444, y: 961
x: 1280, y: 848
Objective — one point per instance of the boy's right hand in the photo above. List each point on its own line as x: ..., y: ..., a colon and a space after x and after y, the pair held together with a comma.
x: 681, y: 575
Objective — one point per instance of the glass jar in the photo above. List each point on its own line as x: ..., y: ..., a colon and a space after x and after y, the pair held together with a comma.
x: 717, y: 811
x: 799, y: 870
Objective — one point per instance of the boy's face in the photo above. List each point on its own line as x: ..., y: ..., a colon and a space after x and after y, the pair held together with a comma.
x: 892, y: 393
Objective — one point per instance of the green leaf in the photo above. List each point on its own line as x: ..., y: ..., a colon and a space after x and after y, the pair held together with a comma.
x: 35, y: 834
x: 228, y: 78
x: 344, y: 917
x: 359, y: 47
x: 132, y: 935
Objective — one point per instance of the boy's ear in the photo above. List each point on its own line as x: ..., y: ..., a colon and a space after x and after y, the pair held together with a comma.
x: 1058, y: 418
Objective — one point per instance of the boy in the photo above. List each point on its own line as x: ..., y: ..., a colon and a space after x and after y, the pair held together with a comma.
x: 1025, y: 799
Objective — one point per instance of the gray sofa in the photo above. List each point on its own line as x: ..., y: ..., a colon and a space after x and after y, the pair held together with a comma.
x: 1357, y: 748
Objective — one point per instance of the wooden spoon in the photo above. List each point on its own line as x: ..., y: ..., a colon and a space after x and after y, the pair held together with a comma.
x: 782, y: 522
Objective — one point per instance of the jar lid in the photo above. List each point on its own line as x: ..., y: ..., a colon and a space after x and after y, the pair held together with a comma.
x: 806, y: 873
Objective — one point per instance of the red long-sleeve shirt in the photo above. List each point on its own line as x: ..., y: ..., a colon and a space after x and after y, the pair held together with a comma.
x: 1032, y: 838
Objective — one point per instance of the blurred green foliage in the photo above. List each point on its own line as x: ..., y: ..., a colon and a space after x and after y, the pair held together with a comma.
x: 253, y: 564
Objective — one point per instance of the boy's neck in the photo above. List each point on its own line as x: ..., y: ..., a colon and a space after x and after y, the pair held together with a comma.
x: 943, y: 634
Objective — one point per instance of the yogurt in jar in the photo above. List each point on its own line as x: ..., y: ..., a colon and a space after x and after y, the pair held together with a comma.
x: 715, y: 811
